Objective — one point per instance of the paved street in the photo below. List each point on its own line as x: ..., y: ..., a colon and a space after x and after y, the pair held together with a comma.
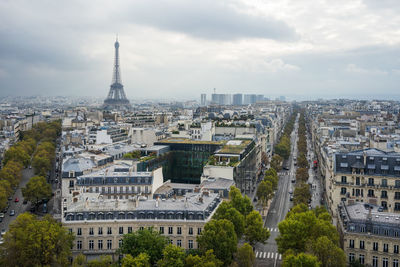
x: 267, y: 254
x: 19, y: 207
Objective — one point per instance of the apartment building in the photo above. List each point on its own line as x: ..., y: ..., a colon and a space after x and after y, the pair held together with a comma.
x: 369, y: 176
x: 368, y: 235
x: 99, y: 224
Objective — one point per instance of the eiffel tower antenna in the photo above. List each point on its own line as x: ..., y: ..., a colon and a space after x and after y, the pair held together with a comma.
x: 116, y: 98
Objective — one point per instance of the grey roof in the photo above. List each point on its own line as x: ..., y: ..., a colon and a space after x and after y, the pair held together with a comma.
x: 357, y: 212
x: 219, y: 183
x: 78, y: 164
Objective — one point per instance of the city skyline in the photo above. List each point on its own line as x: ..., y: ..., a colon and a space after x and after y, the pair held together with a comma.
x: 182, y: 48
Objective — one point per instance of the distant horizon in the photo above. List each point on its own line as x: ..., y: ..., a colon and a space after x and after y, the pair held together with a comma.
x: 301, y: 49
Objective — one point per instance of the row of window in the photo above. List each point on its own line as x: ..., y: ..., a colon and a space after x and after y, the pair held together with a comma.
x: 371, y: 182
x: 375, y: 246
x: 371, y: 193
x: 109, y: 244
x: 130, y: 229
x: 375, y: 260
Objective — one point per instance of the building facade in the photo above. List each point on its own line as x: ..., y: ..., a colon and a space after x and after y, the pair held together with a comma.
x: 369, y: 236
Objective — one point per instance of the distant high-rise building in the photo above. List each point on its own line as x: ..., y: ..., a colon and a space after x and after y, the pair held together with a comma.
x: 203, y: 99
x: 282, y: 98
x: 250, y: 99
x: 237, y: 99
x: 221, y: 99
x: 260, y: 98
x: 215, y: 98
x: 116, y: 98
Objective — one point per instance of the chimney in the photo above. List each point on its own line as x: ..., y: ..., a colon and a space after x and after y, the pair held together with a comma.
x: 157, y: 200
x: 186, y: 203
x: 137, y: 201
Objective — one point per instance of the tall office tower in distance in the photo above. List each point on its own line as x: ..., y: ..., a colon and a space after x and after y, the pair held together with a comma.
x: 237, y: 99
x: 203, y: 99
x: 250, y: 99
x: 116, y: 98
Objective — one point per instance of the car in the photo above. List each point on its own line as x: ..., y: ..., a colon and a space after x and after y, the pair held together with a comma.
x: 366, y: 206
x: 30, y: 167
x: 10, y: 198
x: 2, y: 215
x: 290, y: 191
x: 16, y: 199
x: 25, y: 201
x: 285, y: 168
x: 291, y: 197
x: 380, y: 209
x: 3, y: 232
x: 12, y: 212
x: 293, y: 180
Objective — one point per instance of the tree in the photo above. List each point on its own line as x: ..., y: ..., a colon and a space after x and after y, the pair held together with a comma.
x: 299, y: 230
x: 36, y: 189
x: 79, y: 261
x: 219, y: 235
x: 36, y: 242
x: 302, y: 259
x: 18, y: 154
x: 227, y: 211
x: 245, y: 256
x: 276, y: 163
x: 141, y: 260
x: 328, y: 253
x: 144, y: 241
x: 3, y: 196
x: 302, y: 174
x: 301, y: 194
x: 207, y: 260
x: 41, y: 165
x: 242, y: 204
x: 302, y: 161
x: 173, y: 256
x: 265, y: 192
x: 103, y: 261
x: 254, y: 231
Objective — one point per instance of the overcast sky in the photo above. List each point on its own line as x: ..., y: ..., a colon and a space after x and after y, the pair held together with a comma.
x: 179, y: 49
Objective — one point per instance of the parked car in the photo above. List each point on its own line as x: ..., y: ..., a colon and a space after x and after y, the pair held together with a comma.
x: 2, y: 215
x: 293, y: 180
x: 291, y: 197
x: 12, y: 212
x: 25, y: 201
x: 16, y: 199
x: 10, y: 198
x: 3, y: 232
x: 380, y: 209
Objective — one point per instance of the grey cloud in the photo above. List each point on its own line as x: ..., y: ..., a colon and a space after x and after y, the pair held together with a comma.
x: 207, y: 19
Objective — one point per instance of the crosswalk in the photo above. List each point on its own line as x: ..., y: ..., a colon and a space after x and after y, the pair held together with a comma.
x: 287, y: 173
x: 273, y: 229
x: 268, y: 255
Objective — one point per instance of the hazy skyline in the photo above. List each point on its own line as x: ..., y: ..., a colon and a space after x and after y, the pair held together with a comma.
x: 179, y: 49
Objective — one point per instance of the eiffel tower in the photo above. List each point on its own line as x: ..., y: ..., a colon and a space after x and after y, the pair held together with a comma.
x: 116, y: 98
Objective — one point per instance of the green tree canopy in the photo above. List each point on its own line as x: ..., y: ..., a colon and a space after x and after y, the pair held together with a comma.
x: 265, y: 192
x: 276, y: 162
x: 144, y: 241
x: 245, y: 256
x: 302, y: 259
x: 206, y: 260
x: 18, y: 154
x: 173, y: 256
x: 254, y: 230
x: 36, y: 189
x: 220, y: 236
x: 301, y: 194
x: 227, y: 211
x: 329, y: 254
x: 141, y: 260
x: 36, y: 242
x: 242, y: 204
